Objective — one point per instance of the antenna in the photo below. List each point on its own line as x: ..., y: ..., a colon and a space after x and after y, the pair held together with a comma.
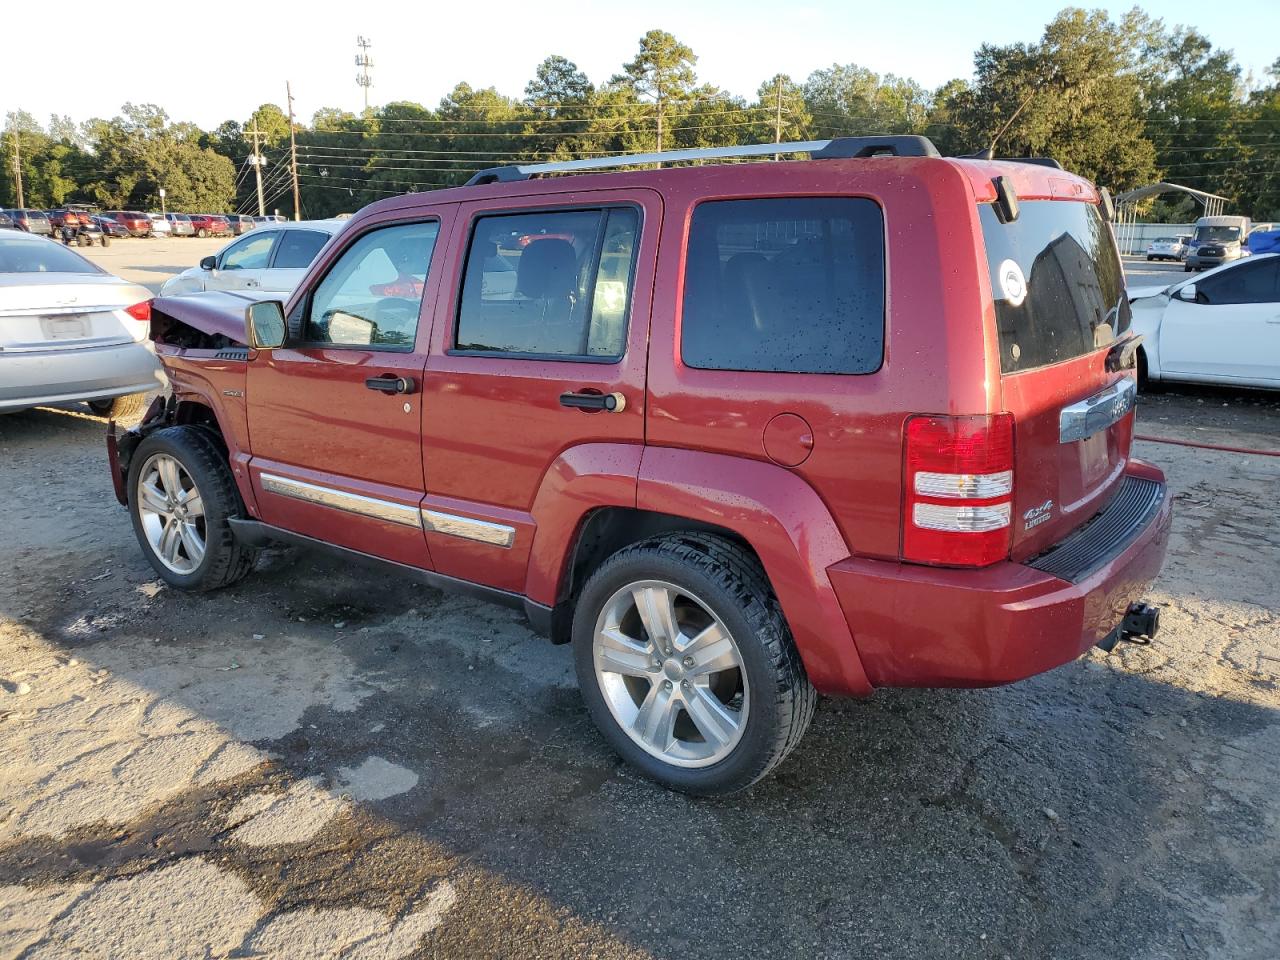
x: 365, y: 63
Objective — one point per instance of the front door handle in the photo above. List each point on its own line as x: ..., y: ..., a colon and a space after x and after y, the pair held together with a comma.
x: 389, y: 384
x: 609, y: 402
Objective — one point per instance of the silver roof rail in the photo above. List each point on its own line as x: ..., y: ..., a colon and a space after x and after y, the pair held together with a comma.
x: 839, y: 147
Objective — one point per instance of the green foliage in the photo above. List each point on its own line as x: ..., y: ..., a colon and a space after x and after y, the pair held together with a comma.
x: 1124, y: 101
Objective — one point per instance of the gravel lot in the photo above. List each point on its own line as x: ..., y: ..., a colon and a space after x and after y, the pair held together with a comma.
x: 320, y: 762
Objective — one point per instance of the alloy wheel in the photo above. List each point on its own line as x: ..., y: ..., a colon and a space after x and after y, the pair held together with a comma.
x: 671, y: 673
x: 172, y: 513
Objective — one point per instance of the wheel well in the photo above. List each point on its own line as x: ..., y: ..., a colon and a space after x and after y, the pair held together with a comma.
x: 606, y: 531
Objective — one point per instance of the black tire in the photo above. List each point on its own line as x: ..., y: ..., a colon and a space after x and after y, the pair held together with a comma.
x: 1187, y: 268
x: 106, y: 241
x: 1144, y: 381
x: 202, y: 233
x: 126, y: 411
x: 1149, y: 259
x: 731, y: 582
x: 225, y: 560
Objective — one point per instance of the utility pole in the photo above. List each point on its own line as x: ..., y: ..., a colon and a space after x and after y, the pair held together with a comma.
x: 257, y: 161
x: 658, y: 98
x: 365, y: 63
x: 777, y: 119
x: 293, y: 155
x: 17, y: 165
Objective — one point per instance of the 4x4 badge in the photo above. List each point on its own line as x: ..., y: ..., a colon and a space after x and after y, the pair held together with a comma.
x: 1037, y: 515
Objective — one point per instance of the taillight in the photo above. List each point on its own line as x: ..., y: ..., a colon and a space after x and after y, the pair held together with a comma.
x: 140, y: 311
x: 959, y: 486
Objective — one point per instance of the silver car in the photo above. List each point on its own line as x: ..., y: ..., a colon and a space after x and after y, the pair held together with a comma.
x: 69, y: 330
x: 271, y: 258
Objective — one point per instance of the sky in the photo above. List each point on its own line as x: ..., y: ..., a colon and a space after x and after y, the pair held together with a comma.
x: 212, y: 61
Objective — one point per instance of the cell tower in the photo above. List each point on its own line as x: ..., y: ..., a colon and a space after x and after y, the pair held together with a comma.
x: 365, y: 63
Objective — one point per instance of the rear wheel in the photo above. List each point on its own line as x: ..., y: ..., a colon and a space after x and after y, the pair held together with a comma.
x: 126, y: 411
x: 202, y: 233
x: 181, y: 495
x: 687, y: 665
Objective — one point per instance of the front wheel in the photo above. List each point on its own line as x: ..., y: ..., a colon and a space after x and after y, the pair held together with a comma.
x: 687, y: 665
x: 202, y: 233
x: 181, y: 495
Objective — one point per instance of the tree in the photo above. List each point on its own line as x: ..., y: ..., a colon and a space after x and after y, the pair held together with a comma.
x: 556, y: 83
x: 1075, y: 95
x: 661, y: 71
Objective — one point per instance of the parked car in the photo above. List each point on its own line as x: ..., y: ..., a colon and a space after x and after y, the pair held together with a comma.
x: 733, y: 431
x: 160, y: 226
x: 137, y: 223
x: 180, y: 224
x: 32, y: 221
x: 70, y: 331
x: 1167, y: 248
x: 7, y: 222
x: 111, y: 228
x: 271, y: 259
x: 1220, y: 327
x: 210, y: 225
x: 240, y: 225
x: 271, y: 218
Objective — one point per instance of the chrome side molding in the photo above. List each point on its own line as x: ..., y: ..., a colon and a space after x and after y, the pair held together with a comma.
x: 433, y: 521
x: 497, y: 534
x: 399, y: 513
x: 1093, y: 414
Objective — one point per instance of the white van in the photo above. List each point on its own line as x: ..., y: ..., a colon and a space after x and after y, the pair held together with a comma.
x: 1216, y: 241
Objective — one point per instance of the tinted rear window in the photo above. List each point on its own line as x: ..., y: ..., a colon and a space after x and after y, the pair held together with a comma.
x: 792, y: 285
x: 1057, y: 282
x: 25, y: 256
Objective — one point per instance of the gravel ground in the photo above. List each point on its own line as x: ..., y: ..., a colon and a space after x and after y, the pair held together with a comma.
x: 321, y: 762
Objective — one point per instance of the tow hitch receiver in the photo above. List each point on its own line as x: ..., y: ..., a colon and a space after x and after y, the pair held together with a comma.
x: 1141, y: 621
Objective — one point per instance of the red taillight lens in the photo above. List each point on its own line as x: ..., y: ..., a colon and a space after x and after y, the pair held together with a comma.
x: 959, y: 490
x: 140, y: 311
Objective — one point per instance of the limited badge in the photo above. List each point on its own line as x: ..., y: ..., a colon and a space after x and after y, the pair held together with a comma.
x: 1012, y: 283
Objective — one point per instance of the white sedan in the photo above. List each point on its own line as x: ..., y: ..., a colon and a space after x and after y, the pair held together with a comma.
x: 1222, y: 326
x: 69, y: 330
x: 272, y: 258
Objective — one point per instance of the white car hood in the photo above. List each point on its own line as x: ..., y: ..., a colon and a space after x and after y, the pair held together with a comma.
x: 1141, y: 293
x: 188, y: 281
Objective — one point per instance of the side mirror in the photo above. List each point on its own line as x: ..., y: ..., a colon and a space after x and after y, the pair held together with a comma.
x: 1188, y: 293
x: 264, y: 324
x: 209, y: 263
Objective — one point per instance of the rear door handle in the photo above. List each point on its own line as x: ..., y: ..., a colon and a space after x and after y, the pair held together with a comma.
x: 609, y: 402
x: 389, y: 384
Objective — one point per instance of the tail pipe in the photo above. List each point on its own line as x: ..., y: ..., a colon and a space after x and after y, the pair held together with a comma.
x: 1141, y: 621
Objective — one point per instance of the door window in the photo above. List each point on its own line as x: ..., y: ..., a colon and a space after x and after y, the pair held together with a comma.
x: 549, y: 284
x: 1255, y: 282
x: 298, y: 248
x: 373, y: 293
x: 251, y: 253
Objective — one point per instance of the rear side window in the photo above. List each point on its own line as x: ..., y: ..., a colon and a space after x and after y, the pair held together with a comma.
x: 1057, y: 282
x: 791, y: 285
x: 549, y: 284
x: 298, y: 248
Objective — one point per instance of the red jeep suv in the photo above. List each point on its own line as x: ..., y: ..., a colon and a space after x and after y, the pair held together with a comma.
x: 741, y: 433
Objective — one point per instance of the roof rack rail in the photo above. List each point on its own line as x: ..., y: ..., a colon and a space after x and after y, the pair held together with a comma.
x: 837, y: 148
x: 1038, y: 161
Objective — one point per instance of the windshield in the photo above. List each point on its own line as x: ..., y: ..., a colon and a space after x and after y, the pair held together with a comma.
x: 25, y: 256
x: 1217, y: 234
x: 1057, y: 282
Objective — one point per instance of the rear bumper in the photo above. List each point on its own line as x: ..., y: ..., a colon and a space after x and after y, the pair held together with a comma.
x: 66, y: 376
x: 917, y: 626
